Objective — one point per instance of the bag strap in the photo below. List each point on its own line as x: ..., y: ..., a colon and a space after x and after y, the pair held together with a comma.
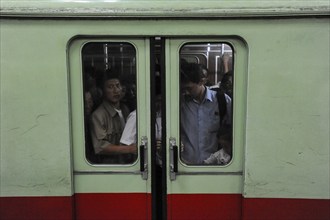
x: 222, y: 104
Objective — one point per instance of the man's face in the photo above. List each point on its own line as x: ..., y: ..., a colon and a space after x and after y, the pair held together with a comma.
x: 88, y: 103
x: 228, y: 86
x: 191, y: 89
x: 112, y: 90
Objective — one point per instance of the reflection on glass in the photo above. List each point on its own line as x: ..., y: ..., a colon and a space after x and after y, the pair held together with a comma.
x: 109, y: 75
x: 206, y: 80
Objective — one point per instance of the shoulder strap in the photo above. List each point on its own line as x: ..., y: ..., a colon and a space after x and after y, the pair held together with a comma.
x: 222, y: 105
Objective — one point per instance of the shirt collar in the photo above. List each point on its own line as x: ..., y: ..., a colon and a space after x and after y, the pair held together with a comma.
x: 109, y: 108
x: 207, y: 97
x: 208, y: 94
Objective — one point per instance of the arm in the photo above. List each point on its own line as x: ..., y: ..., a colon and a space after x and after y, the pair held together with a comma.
x: 101, y: 143
x: 226, y: 62
x: 128, y: 136
x: 119, y: 149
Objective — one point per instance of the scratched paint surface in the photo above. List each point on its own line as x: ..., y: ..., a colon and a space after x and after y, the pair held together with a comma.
x: 163, y: 8
x: 287, y: 122
x: 35, y: 143
x: 287, y: 140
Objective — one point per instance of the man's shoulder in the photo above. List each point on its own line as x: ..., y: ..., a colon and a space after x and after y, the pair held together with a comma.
x: 131, y: 116
x: 211, y: 93
x: 99, y: 111
x: 104, y: 110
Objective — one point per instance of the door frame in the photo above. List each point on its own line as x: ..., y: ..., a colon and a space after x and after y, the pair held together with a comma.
x: 91, y: 180
x: 190, y: 186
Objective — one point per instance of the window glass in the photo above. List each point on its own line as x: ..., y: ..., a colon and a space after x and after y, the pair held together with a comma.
x: 206, y: 81
x: 109, y: 77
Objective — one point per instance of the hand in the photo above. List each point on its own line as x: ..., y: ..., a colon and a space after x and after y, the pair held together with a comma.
x: 225, y: 58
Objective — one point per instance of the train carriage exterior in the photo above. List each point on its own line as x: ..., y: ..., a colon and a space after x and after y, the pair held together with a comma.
x: 279, y: 58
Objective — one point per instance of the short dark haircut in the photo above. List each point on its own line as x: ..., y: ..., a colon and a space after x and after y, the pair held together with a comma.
x: 112, y: 73
x: 191, y: 72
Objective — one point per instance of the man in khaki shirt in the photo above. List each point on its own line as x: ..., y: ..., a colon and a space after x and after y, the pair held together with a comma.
x: 108, y: 122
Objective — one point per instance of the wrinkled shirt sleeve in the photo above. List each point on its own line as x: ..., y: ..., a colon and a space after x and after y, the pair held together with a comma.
x: 98, y: 133
x: 129, y: 134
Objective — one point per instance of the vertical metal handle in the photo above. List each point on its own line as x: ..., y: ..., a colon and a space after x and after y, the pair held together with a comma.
x: 143, y: 149
x: 173, y: 159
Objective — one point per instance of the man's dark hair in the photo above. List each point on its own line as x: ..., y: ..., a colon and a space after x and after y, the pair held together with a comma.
x: 112, y: 73
x: 191, y: 72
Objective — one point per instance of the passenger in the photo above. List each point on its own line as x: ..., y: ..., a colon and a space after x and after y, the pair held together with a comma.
x: 89, y: 107
x: 158, y: 127
x: 108, y: 122
x: 226, y: 88
x: 227, y: 63
x: 90, y: 84
x: 226, y: 85
x: 225, y: 67
x: 89, y: 104
x: 129, y: 135
x: 129, y: 95
x: 222, y: 156
x: 200, y: 116
x: 205, y: 77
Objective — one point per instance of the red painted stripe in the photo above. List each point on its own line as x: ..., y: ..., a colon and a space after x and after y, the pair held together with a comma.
x: 36, y: 208
x: 181, y: 206
x: 125, y: 206
x: 204, y: 206
x: 286, y: 209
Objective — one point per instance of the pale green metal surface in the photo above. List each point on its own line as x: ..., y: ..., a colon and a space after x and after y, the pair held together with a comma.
x: 110, y: 184
x: 206, y: 184
x: 163, y: 8
x: 35, y: 135
x: 286, y: 140
x: 287, y: 133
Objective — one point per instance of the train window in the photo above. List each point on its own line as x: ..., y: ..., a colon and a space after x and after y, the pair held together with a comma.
x: 109, y: 77
x: 206, y: 81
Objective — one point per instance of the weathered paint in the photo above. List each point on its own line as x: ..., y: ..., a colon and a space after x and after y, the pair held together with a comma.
x: 261, y: 81
x: 35, y: 127
x: 287, y: 129
x: 286, y: 136
x: 163, y: 8
x: 264, y: 77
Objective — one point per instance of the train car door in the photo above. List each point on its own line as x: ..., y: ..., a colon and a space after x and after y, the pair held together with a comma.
x: 108, y: 185
x: 204, y: 184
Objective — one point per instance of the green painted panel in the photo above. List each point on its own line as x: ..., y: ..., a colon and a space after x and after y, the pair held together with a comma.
x: 35, y: 136
x: 286, y: 135
x: 110, y: 183
x: 163, y: 8
x: 217, y: 184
